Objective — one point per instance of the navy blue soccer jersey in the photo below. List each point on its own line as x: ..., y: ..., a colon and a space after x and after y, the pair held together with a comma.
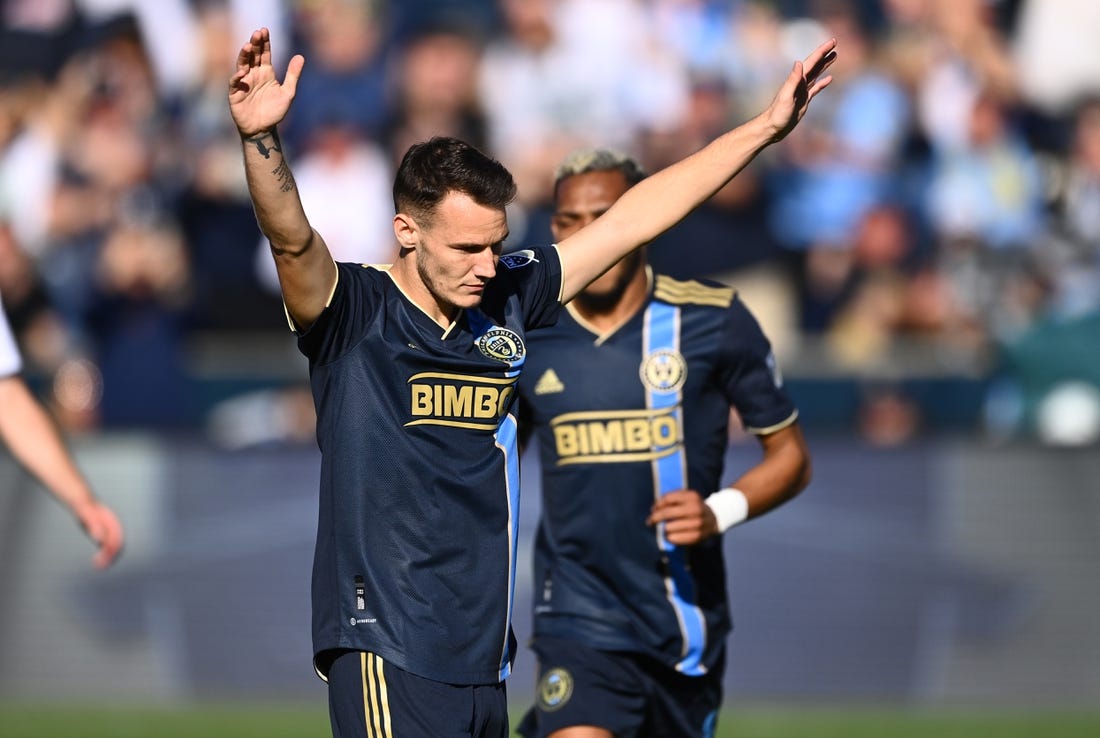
x: 416, y: 536
x: 620, y: 420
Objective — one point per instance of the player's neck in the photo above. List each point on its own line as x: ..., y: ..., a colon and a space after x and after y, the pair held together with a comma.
x: 607, y: 315
x: 419, y: 295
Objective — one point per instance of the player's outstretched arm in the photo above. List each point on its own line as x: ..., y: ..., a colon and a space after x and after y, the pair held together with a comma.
x: 660, y: 201
x: 258, y: 102
x: 782, y: 473
x: 35, y: 442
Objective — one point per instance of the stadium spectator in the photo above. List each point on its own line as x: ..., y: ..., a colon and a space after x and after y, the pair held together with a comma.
x: 987, y: 187
x: 1071, y: 253
x: 1053, y: 48
x: 630, y: 612
x: 137, y: 318
x: 435, y: 90
x: 346, y: 41
x: 562, y: 73
x: 213, y: 208
x: 841, y: 164
x: 413, y: 571
x: 964, y: 56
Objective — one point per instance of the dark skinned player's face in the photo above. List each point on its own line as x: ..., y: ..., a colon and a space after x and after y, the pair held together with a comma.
x: 581, y: 199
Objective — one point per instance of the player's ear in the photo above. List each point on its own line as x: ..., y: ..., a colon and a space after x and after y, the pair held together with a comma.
x: 406, y: 230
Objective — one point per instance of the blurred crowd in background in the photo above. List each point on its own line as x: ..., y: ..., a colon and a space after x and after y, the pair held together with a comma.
x: 938, y: 212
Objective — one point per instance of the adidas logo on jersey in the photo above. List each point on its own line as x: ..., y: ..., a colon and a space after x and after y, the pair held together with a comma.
x: 549, y: 384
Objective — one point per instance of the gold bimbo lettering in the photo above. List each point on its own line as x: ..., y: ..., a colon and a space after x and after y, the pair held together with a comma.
x: 629, y: 435
x: 458, y: 400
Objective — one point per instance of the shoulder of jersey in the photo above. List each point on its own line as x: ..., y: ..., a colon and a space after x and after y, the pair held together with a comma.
x: 692, y: 292
x: 518, y: 259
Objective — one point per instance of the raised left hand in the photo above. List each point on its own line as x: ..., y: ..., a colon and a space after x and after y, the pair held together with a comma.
x: 801, y: 86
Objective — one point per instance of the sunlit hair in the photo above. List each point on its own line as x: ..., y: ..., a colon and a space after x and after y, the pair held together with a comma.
x: 431, y: 169
x: 584, y: 161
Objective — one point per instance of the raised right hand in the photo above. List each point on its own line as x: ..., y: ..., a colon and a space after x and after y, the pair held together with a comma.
x: 257, y: 101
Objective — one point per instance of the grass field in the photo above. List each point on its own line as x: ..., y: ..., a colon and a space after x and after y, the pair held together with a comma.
x: 250, y: 720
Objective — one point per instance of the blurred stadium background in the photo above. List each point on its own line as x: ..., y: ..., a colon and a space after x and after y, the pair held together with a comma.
x: 924, y: 251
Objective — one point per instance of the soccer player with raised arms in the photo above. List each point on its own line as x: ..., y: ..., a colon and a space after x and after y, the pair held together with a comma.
x: 413, y: 369
x: 629, y: 396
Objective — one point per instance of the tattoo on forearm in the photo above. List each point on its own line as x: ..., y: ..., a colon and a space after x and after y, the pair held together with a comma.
x: 286, y: 179
x: 265, y: 143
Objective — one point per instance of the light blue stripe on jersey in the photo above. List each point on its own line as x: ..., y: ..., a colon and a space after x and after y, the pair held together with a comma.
x: 506, y: 441
x: 662, y: 333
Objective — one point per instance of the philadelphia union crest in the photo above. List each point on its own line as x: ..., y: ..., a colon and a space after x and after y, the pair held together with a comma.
x: 664, y: 371
x: 555, y: 689
x: 502, y: 344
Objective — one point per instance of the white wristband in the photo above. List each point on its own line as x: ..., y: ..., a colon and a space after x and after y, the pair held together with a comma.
x: 730, y: 507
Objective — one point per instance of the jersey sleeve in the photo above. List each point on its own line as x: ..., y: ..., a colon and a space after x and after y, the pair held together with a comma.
x: 344, y: 320
x: 749, y: 374
x: 536, y: 278
x: 11, y: 362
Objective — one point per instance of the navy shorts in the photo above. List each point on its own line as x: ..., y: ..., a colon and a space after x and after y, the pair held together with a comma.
x: 630, y: 695
x: 369, y: 698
